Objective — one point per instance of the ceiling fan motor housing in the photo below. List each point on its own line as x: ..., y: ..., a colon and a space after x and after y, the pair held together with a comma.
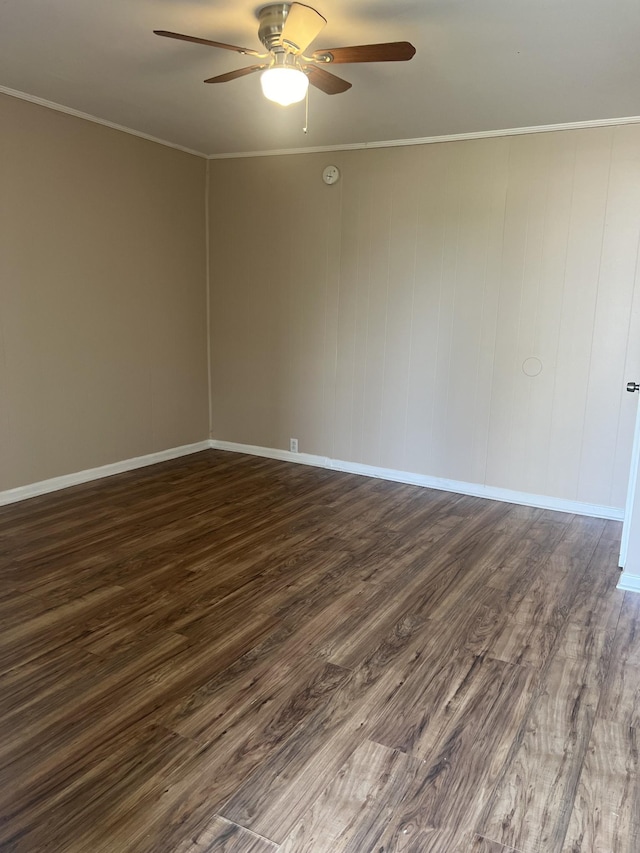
x: 271, y: 19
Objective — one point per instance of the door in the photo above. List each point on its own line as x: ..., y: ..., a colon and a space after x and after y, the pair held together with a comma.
x: 632, y: 508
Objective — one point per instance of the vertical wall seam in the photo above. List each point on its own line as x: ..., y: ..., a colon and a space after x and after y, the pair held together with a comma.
x: 595, y: 320
x: 455, y: 300
x: 207, y: 250
x: 436, y: 358
x: 544, y: 235
x: 352, y: 402
x: 554, y: 405
x: 514, y: 403
x: 411, y: 324
x: 475, y: 452
x: 500, y: 296
x: 336, y: 353
x: 364, y: 394
x: 381, y: 417
x: 5, y: 362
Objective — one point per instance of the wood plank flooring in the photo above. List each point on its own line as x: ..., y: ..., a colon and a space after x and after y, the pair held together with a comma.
x: 227, y: 653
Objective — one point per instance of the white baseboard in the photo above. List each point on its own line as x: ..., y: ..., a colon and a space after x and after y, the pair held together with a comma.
x: 271, y: 453
x: 630, y: 583
x: 473, y: 489
x: 493, y: 493
x: 21, y: 493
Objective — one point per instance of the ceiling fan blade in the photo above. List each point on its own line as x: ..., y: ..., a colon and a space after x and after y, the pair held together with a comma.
x: 393, y: 51
x: 233, y: 75
x: 326, y: 82
x: 301, y: 26
x: 246, y: 50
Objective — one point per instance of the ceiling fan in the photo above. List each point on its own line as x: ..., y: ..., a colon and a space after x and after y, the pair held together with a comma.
x: 286, y: 30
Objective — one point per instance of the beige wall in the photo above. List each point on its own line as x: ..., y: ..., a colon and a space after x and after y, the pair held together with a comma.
x: 385, y: 320
x: 102, y: 295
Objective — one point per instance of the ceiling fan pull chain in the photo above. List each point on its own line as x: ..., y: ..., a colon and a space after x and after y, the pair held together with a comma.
x: 306, y: 113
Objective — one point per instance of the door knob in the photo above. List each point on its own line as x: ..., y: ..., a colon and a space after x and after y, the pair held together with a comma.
x: 633, y: 386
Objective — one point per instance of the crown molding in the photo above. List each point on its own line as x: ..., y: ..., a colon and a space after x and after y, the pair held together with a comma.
x: 51, y: 105
x: 325, y: 149
x: 432, y: 140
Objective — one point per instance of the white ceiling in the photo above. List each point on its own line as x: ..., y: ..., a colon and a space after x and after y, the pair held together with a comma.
x: 481, y: 65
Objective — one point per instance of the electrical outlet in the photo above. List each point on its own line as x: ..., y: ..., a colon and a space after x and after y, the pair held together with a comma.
x: 293, y: 445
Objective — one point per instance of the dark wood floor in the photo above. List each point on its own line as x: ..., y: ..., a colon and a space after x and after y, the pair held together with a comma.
x: 235, y: 654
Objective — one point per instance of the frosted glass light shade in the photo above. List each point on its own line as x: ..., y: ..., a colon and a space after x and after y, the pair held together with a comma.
x: 284, y: 85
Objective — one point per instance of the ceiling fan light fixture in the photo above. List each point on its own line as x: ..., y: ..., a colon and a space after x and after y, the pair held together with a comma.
x: 284, y: 85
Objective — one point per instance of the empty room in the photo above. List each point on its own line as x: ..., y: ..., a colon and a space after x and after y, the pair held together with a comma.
x: 319, y: 434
